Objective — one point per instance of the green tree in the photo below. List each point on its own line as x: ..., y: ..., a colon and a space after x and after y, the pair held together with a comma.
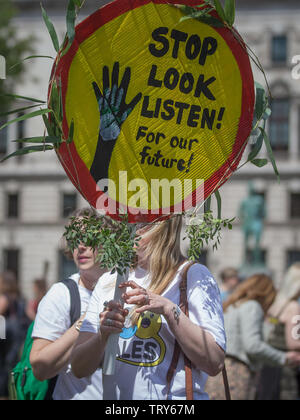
x: 14, y: 50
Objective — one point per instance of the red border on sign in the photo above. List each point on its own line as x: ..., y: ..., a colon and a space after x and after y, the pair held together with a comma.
x: 68, y: 155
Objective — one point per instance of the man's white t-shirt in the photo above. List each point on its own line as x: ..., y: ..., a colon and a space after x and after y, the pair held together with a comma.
x: 52, y: 322
x: 145, y: 352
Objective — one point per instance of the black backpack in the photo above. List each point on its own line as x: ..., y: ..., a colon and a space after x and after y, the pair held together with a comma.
x: 23, y: 385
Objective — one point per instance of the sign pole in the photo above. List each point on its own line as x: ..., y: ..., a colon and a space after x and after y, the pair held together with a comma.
x: 109, y: 363
x: 112, y: 343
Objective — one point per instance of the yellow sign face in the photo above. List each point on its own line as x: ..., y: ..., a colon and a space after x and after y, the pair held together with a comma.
x: 157, y: 100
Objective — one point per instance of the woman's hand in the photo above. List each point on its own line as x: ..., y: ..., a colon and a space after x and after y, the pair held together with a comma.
x: 112, y: 319
x: 146, y: 300
x: 196, y: 343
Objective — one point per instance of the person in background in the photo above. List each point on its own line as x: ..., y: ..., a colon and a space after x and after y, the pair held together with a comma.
x: 298, y: 373
x: 283, y: 333
x: 247, y: 352
x: 230, y: 280
x: 40, y: 289
x: 53, y: 334
x: 13, y: 310
x: 145, y: 366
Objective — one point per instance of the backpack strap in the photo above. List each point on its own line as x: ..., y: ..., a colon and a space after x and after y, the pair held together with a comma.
x: 177, y: 350
x: 75, y: 313
x: 75, y: 309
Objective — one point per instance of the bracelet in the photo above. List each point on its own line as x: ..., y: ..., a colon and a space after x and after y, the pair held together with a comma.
x: 176, y: 312
x: 78, y: 325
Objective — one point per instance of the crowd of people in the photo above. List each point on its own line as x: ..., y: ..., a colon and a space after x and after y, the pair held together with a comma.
x: 17, y: 315
x: 177, y: 328
x: 262, y: 344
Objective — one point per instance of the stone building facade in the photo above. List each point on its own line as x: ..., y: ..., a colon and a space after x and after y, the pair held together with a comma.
x: 36, y: 196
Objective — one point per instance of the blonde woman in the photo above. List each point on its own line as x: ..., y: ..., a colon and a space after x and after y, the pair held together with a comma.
x: 283, y: 333
x: 247, y: 352
x: 147, y: 339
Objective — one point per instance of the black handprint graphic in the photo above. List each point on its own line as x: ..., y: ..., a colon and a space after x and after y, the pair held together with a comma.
x: 113, y: 112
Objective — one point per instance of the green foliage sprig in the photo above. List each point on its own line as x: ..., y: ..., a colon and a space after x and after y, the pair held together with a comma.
x: 114, y: 241
x: 262, y: 114
x: 13, y: 49
x: 226, y: 15
x: 204, y: 232
x: 53, y: 113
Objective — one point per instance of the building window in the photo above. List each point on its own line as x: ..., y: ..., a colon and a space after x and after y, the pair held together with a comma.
x: 295, y: 206
x: 21, y: 127
x: 69, y: 204
x: 279, y: 49
x: 66, y: 267
x: 13, y: 206
x: 12, y: 261
x: 293, y: 256
x: 20, y: 134
x: 3, y: 138
x: 279, y: 125
x: 251, y: 256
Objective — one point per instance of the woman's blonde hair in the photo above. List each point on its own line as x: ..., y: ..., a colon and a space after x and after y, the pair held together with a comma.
x: 290, y: 290
x: 163, y: 253
x: 258, y: 287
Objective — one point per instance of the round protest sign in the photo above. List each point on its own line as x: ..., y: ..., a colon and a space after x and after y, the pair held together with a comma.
x: 161, y: 108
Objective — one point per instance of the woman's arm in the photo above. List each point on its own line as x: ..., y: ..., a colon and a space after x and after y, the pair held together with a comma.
x: 89, y: 349
x: 197, y: 344
x: 49, y: 358
x: 53, y: 336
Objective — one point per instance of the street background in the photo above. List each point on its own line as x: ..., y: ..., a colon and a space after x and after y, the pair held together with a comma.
x: 36, y: 197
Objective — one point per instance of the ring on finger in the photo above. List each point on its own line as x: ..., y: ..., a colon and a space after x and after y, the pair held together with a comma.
x: 109, y: 322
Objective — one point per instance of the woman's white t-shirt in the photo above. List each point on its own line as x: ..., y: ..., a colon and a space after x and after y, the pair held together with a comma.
x: 52, y: 322
x: 145, y: 352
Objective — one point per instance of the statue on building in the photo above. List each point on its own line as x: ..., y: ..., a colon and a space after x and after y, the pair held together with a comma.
x: 252, y: 215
